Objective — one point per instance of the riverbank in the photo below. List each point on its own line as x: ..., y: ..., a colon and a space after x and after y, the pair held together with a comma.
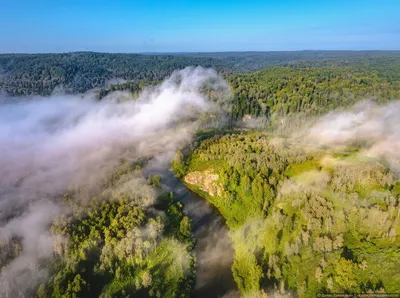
x: 213, y: 246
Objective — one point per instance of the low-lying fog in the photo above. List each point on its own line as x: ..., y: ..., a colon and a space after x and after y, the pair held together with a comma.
x: 50, y: 144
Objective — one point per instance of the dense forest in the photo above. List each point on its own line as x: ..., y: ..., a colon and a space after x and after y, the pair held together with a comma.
x: 40, y: 74
x: 251, y: 61
x: 297, y: 91
x: 302, y: 221
x: 284, y: 91
x: 130, y: 239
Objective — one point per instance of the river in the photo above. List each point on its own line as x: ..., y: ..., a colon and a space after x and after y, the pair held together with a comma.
x: 213, y: 245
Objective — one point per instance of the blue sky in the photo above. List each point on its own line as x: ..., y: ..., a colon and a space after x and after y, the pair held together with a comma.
x: 191, y: 25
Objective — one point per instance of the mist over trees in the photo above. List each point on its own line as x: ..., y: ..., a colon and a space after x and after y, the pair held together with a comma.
x: 304, y: 220
x: 39, y: 74
x: 78, y: 216
x: 277, y: 93
x: 300, y: 159
x: 77, y: 72
x: 117, y: 246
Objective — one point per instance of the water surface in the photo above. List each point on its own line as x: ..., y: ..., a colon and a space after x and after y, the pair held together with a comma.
x: 213, y: 245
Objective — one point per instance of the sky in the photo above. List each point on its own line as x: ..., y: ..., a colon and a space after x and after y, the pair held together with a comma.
x: 31, y: 26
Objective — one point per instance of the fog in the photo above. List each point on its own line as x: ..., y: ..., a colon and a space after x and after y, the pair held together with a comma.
x: 375, y: 127
x: 53, y: 144
x: 50, y: 145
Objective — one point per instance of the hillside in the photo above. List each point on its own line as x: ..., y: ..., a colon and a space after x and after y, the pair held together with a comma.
x: 39, y: 74
x: 77, y: 72
x: 314, y: 89
x: 251, y: 61
x: 129, y: 239
x: 289, y: 94
x: 300, y: 159
x: 302, y: 221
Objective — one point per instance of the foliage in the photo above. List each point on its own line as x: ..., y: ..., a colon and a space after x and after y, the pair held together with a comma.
x: 39, y: 74
x: 287, y: 95
x: 300, y: 223
x: 277, y: 93
x: 296, y: 222
x: 117, y: 246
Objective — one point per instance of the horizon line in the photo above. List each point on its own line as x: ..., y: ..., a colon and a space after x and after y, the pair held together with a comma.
x: 196, y: 52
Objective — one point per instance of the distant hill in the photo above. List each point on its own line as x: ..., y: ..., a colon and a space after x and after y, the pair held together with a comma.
x: 250, y: 61
x: 23, y: 74
x: 39, y: 74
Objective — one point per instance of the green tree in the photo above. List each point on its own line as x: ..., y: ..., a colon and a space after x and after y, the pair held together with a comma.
x: 345, y: 276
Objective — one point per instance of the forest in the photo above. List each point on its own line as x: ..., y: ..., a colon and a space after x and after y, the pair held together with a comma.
x: 311, y: 202
x: 39, y: 74
x: 302, y: 221
x: 305, y: 219
x: 78, y: 72
x: 284, y: 91
x: 114, y: 244
x: 296, y: 91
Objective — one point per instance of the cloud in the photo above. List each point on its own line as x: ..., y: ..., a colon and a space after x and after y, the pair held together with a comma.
x: 373, y: 126
x: 25, y: 272
x: 307, y: 181
x: 52, y: 144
